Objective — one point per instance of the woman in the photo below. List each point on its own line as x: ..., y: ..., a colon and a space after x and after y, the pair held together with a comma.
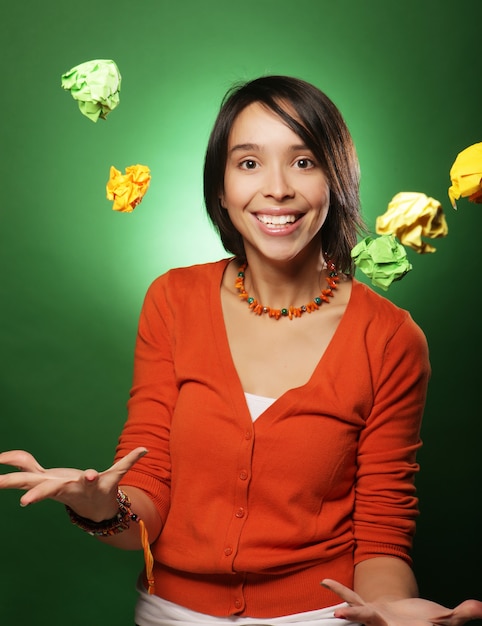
x: 279, y: 400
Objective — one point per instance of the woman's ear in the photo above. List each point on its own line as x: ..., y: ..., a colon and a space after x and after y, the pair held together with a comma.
x: 221, y: 201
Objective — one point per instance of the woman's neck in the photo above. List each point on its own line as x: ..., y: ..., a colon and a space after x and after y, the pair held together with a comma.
x: 279, y: 284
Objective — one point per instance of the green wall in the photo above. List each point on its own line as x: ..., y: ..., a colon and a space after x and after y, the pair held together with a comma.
x: 405, y: 74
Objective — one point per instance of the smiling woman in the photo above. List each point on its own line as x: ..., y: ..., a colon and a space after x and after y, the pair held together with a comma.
x: 275, y: 192
x: 263, y: 454
x: 317, y: 129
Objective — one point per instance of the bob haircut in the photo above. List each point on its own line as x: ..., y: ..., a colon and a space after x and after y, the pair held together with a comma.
x: 320, y: 125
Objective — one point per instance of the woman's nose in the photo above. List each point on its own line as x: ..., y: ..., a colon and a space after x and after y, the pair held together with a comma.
x: 277, y: 183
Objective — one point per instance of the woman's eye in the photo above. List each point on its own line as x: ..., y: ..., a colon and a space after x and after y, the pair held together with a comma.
x: 305, y: 164
x: 248, y: 164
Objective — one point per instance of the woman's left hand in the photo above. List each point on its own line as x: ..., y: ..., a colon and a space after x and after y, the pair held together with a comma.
x: 409, y: 612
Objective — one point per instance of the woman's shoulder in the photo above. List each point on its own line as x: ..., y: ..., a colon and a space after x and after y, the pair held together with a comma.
x: 183, y: 289
x: 376, y: 303
x: 382, y: 315
x: 193, y: 277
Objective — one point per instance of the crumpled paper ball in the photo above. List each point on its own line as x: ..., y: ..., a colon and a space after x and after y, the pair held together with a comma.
x: 127, y: 190
x: 466, y: 175
x: 95, y: 85
x: 383, y: 259
x: 411, y: 216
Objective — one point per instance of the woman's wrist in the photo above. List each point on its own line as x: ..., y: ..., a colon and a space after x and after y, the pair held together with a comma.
x: 117, y: 524
x: 114, y: 525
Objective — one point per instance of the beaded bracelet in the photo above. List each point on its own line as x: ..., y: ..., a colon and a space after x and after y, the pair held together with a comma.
x: 115, y: 525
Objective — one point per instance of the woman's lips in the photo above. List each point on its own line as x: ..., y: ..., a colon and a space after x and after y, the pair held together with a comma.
x: 282, y: 224
x: 277, y: 219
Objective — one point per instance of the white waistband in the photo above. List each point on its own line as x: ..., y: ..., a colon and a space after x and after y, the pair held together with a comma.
x: 152, y: 610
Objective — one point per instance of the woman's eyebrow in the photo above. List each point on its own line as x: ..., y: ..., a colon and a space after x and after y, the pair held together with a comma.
x: 244, y: 147
x: 255, y: 147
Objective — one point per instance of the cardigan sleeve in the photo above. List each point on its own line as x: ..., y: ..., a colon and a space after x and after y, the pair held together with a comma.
x: 152, y: 399
x: 386, y: 505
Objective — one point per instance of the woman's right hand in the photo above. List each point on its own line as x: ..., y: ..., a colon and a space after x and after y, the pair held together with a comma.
x: 89, y: 493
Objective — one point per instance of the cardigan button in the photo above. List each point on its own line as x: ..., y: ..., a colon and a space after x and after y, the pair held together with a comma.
x: 228, y: 551
x: 243, y: 474
x: 238, y: 603
x: 240, y: 512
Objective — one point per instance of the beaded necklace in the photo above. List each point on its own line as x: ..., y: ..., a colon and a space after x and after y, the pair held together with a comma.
x: 291, y: 311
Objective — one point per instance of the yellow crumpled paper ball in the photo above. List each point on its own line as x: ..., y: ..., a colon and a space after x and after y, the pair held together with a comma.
x: 466, y: 175
x: 411, y: 216
x: 127, y: 190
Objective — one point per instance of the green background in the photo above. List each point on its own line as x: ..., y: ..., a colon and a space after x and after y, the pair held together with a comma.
x: 406, y: 75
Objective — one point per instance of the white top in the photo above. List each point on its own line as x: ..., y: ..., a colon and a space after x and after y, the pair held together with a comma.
x: 257, y: 404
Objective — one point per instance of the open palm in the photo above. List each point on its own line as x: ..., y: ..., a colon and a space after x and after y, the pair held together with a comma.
x: 89, y: 493
x: 409, y: 612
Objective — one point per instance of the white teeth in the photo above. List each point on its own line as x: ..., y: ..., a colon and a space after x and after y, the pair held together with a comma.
x: 276, y: 219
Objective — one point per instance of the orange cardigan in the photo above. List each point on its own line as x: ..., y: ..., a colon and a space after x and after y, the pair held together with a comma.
x: 257, y: 514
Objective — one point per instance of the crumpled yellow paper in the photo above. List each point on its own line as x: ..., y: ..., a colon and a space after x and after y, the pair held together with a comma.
x: 466, y: 175
x: 95, y: 85
x: 127, y: 190
x: 383, y: 259
x: 411, y: 216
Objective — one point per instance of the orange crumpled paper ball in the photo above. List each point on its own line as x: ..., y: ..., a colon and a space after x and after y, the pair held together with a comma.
x: 466, y: 175
x: 411, y: 216
x: 127, y: 190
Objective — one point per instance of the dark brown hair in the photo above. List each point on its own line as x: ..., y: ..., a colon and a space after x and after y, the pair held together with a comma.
x: 322, y: 128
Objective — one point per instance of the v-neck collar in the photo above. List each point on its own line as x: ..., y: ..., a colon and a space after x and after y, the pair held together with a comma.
x: 220, y: 335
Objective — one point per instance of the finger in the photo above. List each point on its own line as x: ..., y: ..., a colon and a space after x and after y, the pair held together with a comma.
x: 345, y: 593
x: 362, y: 614
x: 43, y: 490
x: 124, y: 464
x: 470, y: 609
x: 20, y: 480
x: 91, y: 475
x: 464, y: 612
x: 21, y: 459
x: 62, y: 488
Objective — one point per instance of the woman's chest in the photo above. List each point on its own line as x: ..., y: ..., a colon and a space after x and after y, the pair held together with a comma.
x: 272, y: 356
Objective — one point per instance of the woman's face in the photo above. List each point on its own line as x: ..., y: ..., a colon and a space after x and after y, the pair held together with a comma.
x: 275, y: 192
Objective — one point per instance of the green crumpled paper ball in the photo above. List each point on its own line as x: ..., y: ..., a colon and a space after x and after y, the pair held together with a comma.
x: 383, y: 259
x: 95, y: 85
